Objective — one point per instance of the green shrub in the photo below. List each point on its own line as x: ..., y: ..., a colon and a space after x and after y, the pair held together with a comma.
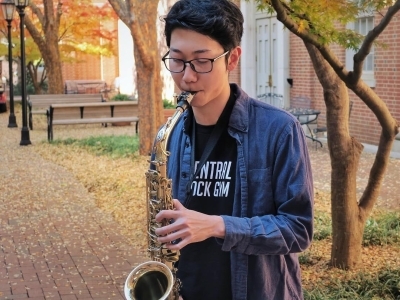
x: 365, y: 286
x: 30, y: 89
x: 168, y: 104
x: 305, y: 258
x: 383, y: 229
x: 120, y: 97
x: 322, y: 226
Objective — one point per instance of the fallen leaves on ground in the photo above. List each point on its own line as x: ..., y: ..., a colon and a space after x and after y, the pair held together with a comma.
x: 317, y: 271
x: 119, y: 188
x: 117, y: 184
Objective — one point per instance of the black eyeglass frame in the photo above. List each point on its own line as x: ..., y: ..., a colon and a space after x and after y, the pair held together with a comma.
x: 185, y: 62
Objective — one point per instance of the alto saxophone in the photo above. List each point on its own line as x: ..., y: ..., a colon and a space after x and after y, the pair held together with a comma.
x: 156, y: 279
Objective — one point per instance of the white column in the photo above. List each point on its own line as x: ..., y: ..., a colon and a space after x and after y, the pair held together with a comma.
x: 248, y: 59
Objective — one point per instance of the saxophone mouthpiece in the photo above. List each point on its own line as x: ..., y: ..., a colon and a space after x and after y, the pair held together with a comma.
x: 188, y: 95
x: 184, y: 99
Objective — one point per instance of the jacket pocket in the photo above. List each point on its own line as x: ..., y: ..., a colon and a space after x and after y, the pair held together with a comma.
x: 261, y: 196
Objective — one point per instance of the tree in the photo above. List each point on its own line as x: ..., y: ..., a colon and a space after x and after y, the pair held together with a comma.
x: 140, y: 17
x: 59, y: 27
x: 321, y: 24
x: 32, y: 54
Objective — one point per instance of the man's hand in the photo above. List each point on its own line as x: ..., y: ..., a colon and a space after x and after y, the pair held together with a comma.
x: 189, y: 226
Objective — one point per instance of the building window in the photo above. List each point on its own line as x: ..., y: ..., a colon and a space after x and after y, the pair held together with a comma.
x: 363, y: 25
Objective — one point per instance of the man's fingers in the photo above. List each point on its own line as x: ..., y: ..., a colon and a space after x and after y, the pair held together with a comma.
x: 166, y: 214
x: 178, y: 205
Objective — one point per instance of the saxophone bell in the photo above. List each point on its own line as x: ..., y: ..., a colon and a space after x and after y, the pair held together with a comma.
x: 150, y: 280
x: 156, y: 279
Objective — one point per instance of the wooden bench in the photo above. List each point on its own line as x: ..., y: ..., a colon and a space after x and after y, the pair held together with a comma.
x: 90, y: 113
x: 39, y: 104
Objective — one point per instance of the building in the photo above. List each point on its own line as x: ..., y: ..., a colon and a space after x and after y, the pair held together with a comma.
x: 276, y: 62
x: 275, y: 66
x: 118, y: 72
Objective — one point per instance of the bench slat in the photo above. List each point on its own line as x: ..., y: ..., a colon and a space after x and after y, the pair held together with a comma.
x: 95, y: 120
x: 47, y: 102
x: 89, y: 113
x: 106, y: 104
x: 38, y: 104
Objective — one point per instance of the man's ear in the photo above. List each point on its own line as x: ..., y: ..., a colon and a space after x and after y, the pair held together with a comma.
x: 234, y: 58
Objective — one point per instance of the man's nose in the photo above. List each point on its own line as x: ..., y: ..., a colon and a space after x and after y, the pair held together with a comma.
x: 188, y: 73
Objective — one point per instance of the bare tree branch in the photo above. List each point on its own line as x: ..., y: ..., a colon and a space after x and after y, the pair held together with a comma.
x: 36, y: 10
x: 308, y: 37
x: 122, y: 8
x: 358, y: 86
x: 34, y: 32
x: 59, y: 14
x: 48, y: 11
x: 366, y: 46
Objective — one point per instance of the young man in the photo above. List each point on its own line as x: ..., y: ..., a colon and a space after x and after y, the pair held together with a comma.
x: 240, y: 221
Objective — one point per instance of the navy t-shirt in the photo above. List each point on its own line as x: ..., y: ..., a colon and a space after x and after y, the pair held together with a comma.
x: 204, y: 268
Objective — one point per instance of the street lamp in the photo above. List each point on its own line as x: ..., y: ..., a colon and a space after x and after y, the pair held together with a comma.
x: 20, y: 5
x: 8, y: 8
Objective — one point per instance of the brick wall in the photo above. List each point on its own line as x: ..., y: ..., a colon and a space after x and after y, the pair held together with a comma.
x: 387, y: 75
x: 86, y: 67
x: 363, y: 123
x: 92, y: 67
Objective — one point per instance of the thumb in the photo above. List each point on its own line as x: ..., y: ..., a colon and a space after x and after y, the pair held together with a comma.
x: 178, y: 205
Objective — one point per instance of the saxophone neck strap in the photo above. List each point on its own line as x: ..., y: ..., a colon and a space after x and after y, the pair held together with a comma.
x: 221, y: 125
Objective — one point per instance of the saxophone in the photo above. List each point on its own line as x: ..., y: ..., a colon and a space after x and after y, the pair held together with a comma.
x: 156, y: 279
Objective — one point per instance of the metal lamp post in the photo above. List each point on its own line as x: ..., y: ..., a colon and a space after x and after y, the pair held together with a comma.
x: 20, y: 5
x: 8, y: 8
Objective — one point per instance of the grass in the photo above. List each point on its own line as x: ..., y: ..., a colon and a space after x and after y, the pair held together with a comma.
x: 120, y: 146
x: 365, y: 286
x: 322, y: 226
x: 383, y: 229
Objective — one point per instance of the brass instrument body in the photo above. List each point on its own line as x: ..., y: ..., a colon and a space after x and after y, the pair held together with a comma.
x: 156, y: 279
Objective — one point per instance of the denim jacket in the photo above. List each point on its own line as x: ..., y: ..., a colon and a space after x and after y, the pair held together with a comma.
x: 272, y: 216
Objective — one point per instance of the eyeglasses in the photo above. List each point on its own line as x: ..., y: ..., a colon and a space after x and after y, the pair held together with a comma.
x: 199, y: 65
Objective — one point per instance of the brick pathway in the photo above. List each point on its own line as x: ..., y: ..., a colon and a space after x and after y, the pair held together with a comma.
x: 54, y: 242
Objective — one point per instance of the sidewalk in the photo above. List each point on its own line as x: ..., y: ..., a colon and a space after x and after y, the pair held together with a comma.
x: 54, y: 242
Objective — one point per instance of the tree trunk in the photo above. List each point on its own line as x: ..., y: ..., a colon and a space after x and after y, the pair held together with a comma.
x: 32, y: 69
x: 348, y: 215
x: 55, y: 79
x: 140, y: 17
x: 347, y: 225
x: 52, y: 59
x: 150, y: 104
x: 147, y: 59
x: 48, y: 45
x: 347, y: 221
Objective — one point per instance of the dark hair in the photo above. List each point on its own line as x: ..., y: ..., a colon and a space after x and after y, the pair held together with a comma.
x: 221, y: 20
